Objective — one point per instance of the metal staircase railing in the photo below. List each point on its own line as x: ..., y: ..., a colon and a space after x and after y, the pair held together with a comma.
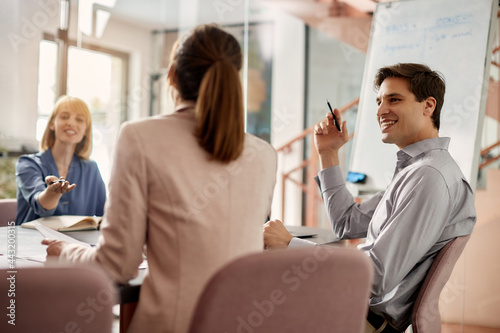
x: 486, y: 153
x: 489, y: 159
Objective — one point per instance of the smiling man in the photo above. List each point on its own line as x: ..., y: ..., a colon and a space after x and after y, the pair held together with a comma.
x: 427, y: 204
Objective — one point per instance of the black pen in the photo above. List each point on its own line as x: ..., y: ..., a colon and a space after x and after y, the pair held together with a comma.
x: 334, y: 118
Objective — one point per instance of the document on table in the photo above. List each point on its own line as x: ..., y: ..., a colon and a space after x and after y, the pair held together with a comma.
x: 53, y: 234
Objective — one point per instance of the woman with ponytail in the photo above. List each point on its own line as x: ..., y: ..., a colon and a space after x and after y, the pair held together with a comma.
x: 191, y: 188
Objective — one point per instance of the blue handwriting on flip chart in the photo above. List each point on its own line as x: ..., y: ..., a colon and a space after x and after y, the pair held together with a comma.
x: 453, y: 20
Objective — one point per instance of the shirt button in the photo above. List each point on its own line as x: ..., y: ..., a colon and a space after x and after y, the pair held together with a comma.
x: 399, y: 169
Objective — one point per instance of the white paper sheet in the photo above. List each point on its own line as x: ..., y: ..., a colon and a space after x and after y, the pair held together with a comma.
x: 53, y: 234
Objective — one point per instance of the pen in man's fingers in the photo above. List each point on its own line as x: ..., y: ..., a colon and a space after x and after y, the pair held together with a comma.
x: 334, y: 118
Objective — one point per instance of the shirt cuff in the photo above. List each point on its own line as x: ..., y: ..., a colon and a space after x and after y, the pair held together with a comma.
x: 299, y: 242
x: 329, y: 178
x: 39, y: 210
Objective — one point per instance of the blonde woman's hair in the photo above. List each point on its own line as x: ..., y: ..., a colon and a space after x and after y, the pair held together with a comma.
x: 206, y: 66
x: 84, y: 147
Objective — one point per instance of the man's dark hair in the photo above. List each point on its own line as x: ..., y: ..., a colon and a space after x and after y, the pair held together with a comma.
x: 422, y: 82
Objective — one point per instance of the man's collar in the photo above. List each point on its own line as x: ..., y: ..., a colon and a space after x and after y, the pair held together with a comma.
x: 419, y: 147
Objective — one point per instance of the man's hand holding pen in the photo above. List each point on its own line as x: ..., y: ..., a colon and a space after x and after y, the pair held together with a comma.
x: 328, y: 139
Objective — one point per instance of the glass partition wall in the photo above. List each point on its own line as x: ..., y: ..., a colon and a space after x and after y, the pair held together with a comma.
x: 113, y: 54
x: 334, y: 74
x: 245, y: 20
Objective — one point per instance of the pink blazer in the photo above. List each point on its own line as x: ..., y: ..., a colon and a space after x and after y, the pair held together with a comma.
x: 188, y: 214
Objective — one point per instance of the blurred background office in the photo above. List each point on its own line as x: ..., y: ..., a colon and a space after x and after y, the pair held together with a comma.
x: 114, y: 55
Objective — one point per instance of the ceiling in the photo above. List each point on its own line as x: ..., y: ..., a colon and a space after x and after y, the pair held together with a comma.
x: 342, y: 19
x: 172, y: 13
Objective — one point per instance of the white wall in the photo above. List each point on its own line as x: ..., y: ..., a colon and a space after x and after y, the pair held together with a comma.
x: 23, y: 23
x: 287, y: 108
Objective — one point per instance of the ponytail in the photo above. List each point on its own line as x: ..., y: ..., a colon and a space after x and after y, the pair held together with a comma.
x: 207, y: 64
x: 219, y: 112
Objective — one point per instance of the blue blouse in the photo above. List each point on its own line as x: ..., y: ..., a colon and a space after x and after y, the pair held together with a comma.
x: 87, y: 198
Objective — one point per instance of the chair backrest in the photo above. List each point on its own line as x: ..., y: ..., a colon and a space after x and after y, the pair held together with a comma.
x: 318, y: 289
x: 8, y: 210
x: 57, y: 299
x: 425, y: 316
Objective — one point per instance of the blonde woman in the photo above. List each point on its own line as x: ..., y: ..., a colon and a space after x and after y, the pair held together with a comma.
x: 61, y: 180
x: 191, y: 186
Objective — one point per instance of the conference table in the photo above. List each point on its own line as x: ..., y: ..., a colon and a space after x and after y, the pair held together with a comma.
x: 30, y: 252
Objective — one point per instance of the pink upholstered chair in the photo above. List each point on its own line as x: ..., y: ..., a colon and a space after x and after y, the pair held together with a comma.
x: 8, y: 209
x: 425, y: 316
x: 320, y: 289
x: 58, y: 299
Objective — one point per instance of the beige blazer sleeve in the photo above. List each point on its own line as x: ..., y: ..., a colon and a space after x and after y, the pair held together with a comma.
x: 120, y: 246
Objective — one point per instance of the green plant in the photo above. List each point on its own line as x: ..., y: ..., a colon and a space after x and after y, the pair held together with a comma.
x: 8, y: 186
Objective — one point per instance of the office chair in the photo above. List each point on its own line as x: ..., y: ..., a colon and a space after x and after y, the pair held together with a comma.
x: 318, y: 289
x: 425, y: 316
x: 8, y: 210
x: 57, y: 299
